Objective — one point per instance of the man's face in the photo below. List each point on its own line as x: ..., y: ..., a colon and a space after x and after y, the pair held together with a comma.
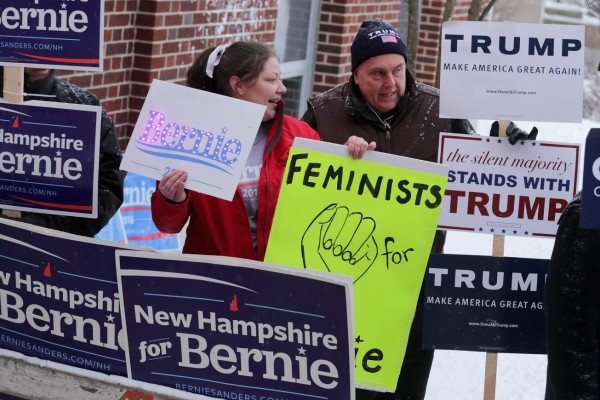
x: 382, y: 80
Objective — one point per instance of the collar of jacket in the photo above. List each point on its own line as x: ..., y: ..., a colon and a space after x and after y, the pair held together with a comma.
x: 39, y: 86
x: 278, y: 123
x: 356, y: 105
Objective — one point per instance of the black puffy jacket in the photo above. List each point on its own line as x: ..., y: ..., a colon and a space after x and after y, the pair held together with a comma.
x: 572, y: 307
x: 110, y: 178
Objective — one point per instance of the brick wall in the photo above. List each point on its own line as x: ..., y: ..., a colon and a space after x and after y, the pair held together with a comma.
x: 148, y: 39
x: 340, y: 20
x: 113, y: 86
x: 429, y: 36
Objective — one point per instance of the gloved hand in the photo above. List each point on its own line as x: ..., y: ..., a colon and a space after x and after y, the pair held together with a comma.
x: 513, y: 132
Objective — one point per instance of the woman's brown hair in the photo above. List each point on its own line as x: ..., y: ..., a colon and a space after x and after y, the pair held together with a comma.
x: 242, y: 59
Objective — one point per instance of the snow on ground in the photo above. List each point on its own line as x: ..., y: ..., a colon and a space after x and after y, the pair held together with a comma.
x: 459, y: 375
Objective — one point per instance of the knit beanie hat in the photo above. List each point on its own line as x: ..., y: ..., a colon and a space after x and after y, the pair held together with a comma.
x: 375, y: 38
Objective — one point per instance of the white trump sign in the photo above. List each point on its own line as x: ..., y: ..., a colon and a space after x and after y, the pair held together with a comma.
x: 512, y: 71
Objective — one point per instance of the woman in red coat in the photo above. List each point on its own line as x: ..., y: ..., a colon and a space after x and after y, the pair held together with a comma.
x: 239, y: 228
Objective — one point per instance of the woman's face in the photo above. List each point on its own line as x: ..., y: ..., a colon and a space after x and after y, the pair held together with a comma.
x: 267, y: 90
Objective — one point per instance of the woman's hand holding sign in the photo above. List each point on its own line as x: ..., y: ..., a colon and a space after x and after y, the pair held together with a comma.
x: 171, y: 186
x: 340, y: 241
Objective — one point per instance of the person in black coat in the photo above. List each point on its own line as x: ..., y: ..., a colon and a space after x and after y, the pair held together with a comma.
x: 572, y: 308
x: 39, y: 81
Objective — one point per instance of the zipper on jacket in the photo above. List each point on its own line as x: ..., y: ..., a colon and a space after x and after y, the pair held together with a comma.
x: 278, y: 127
x: 384, y: 122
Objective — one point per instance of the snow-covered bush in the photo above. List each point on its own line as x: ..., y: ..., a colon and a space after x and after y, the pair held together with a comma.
x: 591, y: 95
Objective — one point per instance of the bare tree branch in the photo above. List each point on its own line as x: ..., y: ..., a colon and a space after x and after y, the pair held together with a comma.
x: 473, y: 14
x: 448, y: 9
x: 413, y: 33
x: 486, y: 10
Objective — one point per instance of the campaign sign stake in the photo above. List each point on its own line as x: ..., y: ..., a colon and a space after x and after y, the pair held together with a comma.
x: 590, y: 194
x: 236, y: 329
x: 49, y: 158
x: 52, y: 34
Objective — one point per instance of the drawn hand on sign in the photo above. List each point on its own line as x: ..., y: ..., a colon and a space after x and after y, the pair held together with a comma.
x: 339, y: 241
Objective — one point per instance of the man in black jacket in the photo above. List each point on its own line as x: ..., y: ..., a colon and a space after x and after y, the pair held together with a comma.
x: 41, y: 84
x: 385, y: 106
x: 572, y: 308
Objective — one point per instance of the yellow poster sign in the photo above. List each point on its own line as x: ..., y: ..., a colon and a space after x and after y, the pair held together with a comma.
x: 373, y: 219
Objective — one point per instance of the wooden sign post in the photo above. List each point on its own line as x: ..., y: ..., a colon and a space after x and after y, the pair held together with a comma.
x: 13, y: 91
x: 491, y: 359
x: 13, y: 84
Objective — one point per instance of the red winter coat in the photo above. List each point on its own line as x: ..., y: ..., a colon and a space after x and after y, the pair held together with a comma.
x: 221, y: 227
